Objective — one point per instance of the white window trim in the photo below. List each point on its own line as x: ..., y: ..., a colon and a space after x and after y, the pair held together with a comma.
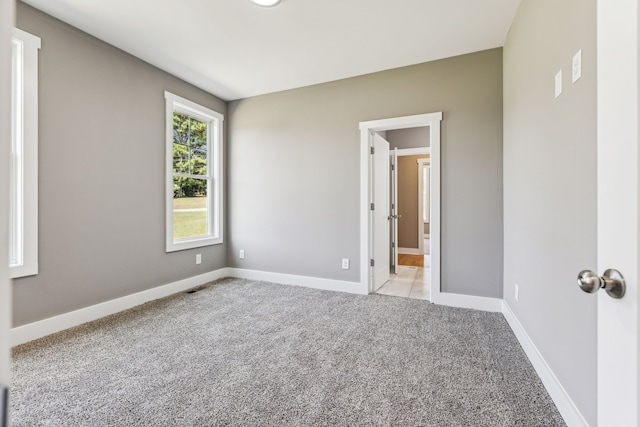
x: 24, y: 227
x: 214, y: 167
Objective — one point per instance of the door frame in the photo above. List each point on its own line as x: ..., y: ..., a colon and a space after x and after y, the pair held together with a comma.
x: 431, y: 120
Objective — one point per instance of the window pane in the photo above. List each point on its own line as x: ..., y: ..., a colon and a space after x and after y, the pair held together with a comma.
x: 190, y: 208
x: 189, y: 145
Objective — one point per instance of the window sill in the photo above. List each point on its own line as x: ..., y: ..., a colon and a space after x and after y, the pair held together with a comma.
x: 180, y: 245
x: 23, y: 271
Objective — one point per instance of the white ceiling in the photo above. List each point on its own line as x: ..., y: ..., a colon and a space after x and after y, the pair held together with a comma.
x: 234, y: 49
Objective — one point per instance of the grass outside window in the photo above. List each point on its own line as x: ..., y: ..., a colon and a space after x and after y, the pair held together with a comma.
x: 189, y: 217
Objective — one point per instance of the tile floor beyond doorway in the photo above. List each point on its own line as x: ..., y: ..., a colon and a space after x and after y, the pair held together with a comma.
x: 410, y: 282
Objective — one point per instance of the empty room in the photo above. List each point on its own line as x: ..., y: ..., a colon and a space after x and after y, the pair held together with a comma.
x: 205, y: 220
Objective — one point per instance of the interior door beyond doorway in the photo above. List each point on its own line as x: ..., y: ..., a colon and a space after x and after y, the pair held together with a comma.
x: 380, y: 211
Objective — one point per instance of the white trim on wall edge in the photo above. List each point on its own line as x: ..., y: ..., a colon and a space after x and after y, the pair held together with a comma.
x: 305, y: 281
x: 42, y: 328
x: 559, y: 395
x: 493, y: 305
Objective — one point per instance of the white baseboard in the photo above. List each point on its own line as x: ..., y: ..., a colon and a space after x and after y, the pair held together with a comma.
x: 42, y: 328
x: 309, y: 282
x: 467, y: 301
x: 410, y: 251
x: 559, y: 395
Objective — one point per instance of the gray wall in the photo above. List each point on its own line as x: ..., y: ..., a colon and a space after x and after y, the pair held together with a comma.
x: 294, y: 170
x: 101, y: 175
x: 550, y: 187
x: 409, y: 138
x: 6, y: 22
x: 408, y: 201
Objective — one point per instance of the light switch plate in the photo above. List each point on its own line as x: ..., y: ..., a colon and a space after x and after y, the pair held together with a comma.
x: 558, y: 83
x: 576, y: 67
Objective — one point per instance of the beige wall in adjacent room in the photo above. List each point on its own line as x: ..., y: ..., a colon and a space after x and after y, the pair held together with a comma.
x: 101, y: 175
x: 550, y: 188
x: 417, y: 137
x: 294, y: 170
x: 408, y: 226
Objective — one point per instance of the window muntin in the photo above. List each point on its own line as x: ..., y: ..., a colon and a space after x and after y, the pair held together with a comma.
x: 194, y: 175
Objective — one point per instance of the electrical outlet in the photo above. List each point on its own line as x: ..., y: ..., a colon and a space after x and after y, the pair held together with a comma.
x: 241, y: 254
x: 198, y: 258
x: 345, y: 263
x: 517, y: 292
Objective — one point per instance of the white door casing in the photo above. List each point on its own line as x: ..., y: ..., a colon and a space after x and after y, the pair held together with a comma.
x: 432, y: 120
x: 380, y: 213
x: 618, y: 211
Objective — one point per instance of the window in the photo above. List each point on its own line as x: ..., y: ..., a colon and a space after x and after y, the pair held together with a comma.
x: 23, y: 193
x: 194, y: 175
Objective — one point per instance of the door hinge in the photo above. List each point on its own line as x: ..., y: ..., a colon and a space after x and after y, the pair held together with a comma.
x: 393, y: 206
x: 373, y: 206
x: 393, y: 167
x: 372, y: 263
x: 373, y: 150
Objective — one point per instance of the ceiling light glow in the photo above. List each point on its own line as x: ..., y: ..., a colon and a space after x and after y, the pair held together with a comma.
x: 265, y: 3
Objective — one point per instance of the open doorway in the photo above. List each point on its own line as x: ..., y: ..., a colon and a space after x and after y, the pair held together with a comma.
x: 375, y: 246
x: 410, y: 278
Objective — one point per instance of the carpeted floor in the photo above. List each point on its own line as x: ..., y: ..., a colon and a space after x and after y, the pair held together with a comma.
x: 245, y: 353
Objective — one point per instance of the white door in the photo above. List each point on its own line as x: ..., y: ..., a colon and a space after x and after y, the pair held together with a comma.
x: 618, y: 211
x: 394, y: 211
x: 380, y: 211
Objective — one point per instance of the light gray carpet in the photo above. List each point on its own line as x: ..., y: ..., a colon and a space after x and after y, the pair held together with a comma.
x: 243, y: 353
